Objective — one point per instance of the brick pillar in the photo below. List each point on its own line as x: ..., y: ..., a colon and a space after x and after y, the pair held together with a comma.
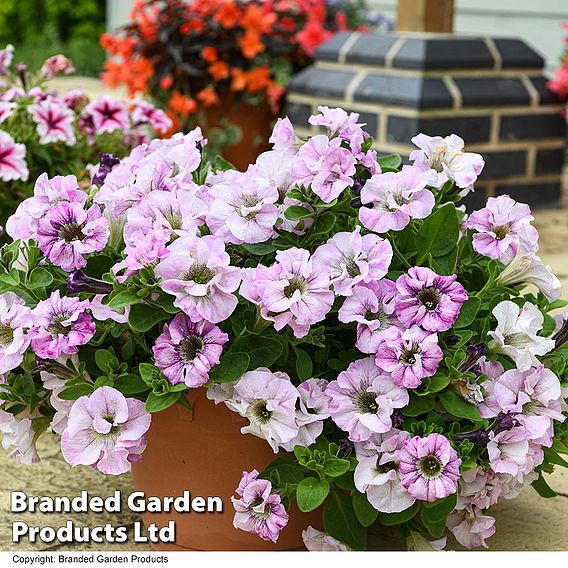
x: 489, y: 91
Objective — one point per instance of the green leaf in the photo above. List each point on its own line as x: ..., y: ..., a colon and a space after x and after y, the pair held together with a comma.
x: 439, y: 233
x: 341, y: 522
x: 123, y: 299
x: 366, y: 513
x: 554, y: 458
x: 259, y: 249
x: 231, y: 367
x: 263, y: 351
x: 542, y: 488
x: 157, y: 403
x: 323, y: 224
x: 335, y: 467
x: 149, y: 373
x: 39, y: 278
x: 105, y: 360
x: 142, y: 317
x: 295, y: 212
x: 435, y: 528
x: 304, y: 365
x: 418, y: 405
x: 445, y: 264
x: 393, y: 519
x: 131, y: 384
x: 468, y: 312
x: 74, y: 392
x: 438, y: 511
x: 28, y: 386
x: 390, y: 162
x: 311, y: 493
x: 458, y: 407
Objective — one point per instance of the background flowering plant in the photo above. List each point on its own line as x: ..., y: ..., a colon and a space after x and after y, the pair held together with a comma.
x: 192, y: 55
x: 560, y: 82
x: 382, y: 341
x: 42, y: 131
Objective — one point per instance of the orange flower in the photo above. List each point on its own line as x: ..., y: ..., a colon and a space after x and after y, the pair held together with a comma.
x: 219, y: 70
x: 134, y: 73
x: 210, y: 54
x: 239, y: 79
x: 258, y: 19
x: 228, y: 15
x: 250, y: 44
x: 208, y: 97
x: 181, y: 104
x: 166, y: 82
x: 258, y: 79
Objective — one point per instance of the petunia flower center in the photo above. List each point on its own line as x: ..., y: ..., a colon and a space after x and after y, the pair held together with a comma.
x: 6, y: 334
x: 408, y: 356
x: 429, y: 297
x: 437, y: 160
x: 386, y: 467
x: 260, y: 412
x: 352, y: 268
x: 199, y: 273
x: 56, y: 326
x: 430, y: 466
x: 379, y: 315
x: 366, y: 402
x: 501, y: 232
x: 295, y: 283
x: 190, y: 348
x: 71, y: 232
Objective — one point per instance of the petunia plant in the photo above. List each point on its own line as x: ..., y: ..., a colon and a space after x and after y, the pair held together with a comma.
x: 42, y: 131
x: 399, y: 355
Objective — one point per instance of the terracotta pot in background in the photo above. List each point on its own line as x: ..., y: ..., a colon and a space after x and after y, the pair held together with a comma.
x: 255, y: 123
x: 203, y: 451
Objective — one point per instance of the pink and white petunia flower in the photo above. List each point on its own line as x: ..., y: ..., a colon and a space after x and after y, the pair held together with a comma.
x: 516, y: 334
x: 257, y: 509
x: 409, y: 356
x: 294, y: 291
x: 6, y: 110
x: 430, y: 467
x: 13, y: 165
x: 429, y: 300
x: 18, y: 437
x: 445, y: 159
x: 54, y: 121
x: 198, y: 273
x: 500, y: 226
x: 471, y: 527
x: 106, y: 431
x: 61, y: 325
x: 352, y: 258
x: 187, y: 351
x: 15, y: 321
x: 378, y: 474
x: 394, y: 199
x: 107, y: 115
x: 268, y: 399
x: 318, y: 541
x: 508, y: 451
x: 324, y: 164
x: 67, y: 233
x: 362, y: 400
x: 372, y: 306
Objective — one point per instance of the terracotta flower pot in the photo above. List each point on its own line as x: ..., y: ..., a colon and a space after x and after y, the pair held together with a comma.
x: 203, y: 451
x: 255, y: 123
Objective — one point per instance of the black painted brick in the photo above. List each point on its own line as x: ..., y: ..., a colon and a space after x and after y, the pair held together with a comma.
x: 515, y: 53
x: 532, y: 126
x: 547, y: 97
x: 536, y: 194
x: 550, y: 161
x: 370, y: 49
x: 500, y: 165
x: 487, y: 91
x: 298, y: 113
x: 413, y: 92
x: 329, y: 50
x: 443, y: 53
x: 370, y: 120
x: 317, y: 82
x: 472, y: 129
x: 475, y: 199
